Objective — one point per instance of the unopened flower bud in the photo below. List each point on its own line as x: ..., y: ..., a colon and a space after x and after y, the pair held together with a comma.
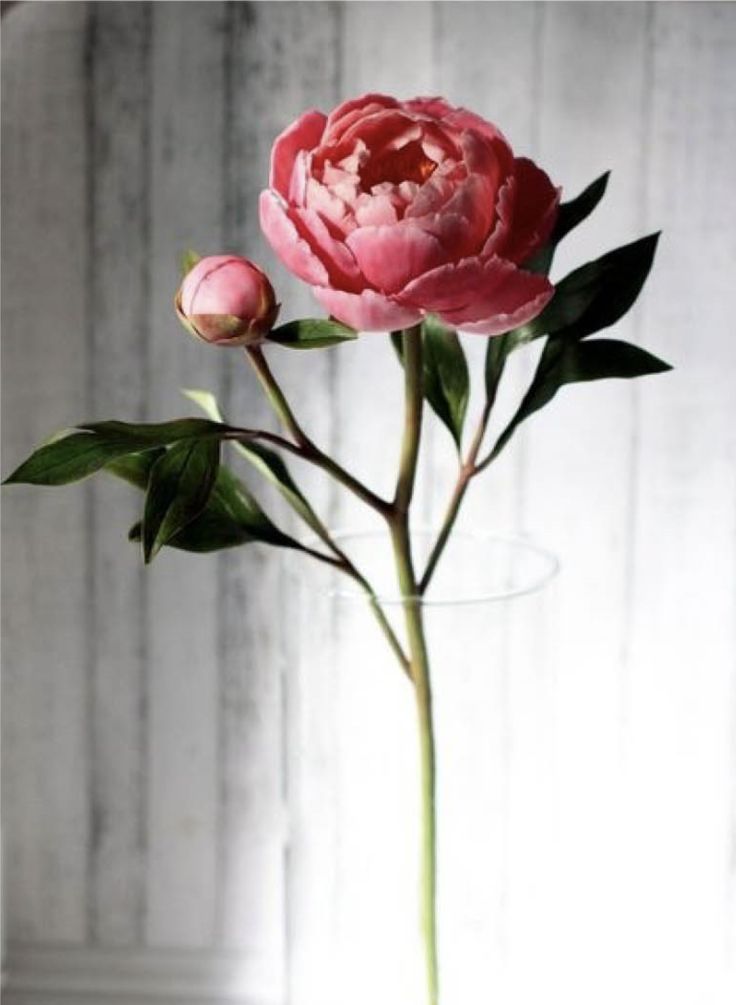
x: 227, y: 300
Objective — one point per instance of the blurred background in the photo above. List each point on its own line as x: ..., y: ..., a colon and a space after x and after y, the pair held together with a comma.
x: 175, y: 802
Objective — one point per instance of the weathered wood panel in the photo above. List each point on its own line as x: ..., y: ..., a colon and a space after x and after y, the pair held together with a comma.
x: 577, y: 498
x: 680, y: 737
x: 118, y: 252
x: 46, y: 361
x: 186, y: 144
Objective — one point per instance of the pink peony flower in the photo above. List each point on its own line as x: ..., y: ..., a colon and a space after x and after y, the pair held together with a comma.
x: 227, y: 300
x: 395, y: 209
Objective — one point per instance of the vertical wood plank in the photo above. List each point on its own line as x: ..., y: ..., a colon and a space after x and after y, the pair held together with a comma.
x: 268, y: 656
x: 46, y: 595
x: 187, y: 145
x: 577, y: 499
x: 681, y: 739
x: 118, y: 289
x: 269, y: 88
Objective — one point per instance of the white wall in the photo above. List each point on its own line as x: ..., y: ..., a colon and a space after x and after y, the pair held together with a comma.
x: 164, y: 741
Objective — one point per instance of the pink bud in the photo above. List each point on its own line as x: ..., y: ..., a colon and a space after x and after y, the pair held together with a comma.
x: 227, y: 300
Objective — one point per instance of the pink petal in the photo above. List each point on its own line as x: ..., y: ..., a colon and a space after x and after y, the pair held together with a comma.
x: 498, y: 237
x: 386, y: 129
x: 534, y: 211
x: 284, y: 238
x: 304, y: 134
x: 325, y: 201
x: 498, y: 324
x: 431, y: 197
x: 299, y: 178
x: 367, y: 311
x: 472, y: 202
x: 433, y: 108
x: 390, y: 257
x: 491, y: 158
x: 375, y: 210
x: 475, y: 291
x: 461, y: 119
x: 350, y: 111
x: 329, y: 246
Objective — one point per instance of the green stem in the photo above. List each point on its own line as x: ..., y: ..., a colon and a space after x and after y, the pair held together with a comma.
x: 413, y: 403
x: 399, y: 524
x: 306, y: 449
x: 423, y: 696
x: 468, y: 470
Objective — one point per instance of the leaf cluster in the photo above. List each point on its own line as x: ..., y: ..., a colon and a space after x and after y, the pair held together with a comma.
x: 587, y: 301
x: 192, y: 501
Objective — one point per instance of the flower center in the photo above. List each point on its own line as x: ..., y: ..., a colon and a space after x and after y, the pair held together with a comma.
x: 410, y: 163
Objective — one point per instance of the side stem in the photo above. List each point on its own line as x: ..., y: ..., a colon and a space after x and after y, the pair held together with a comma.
x: 468, y: 470
x: 305, y: 447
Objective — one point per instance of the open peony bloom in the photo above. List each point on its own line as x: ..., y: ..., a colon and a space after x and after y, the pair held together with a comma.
x: 395, y: 209
x: 227, y: 300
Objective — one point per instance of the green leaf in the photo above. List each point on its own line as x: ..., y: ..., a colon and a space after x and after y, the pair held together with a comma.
x: 78, y: 453
x: 587, y: 300
x: 155, y: 434
x: 135, y: 468
x: 188, y: 260
x: 273, y: 468
x: 311, y: 333
x: 569, y: 216
x: 266, y: 461
x: 598, y: 294
x: 179, y: 486
x: 206, y: 401
x: 497, y: 351
x: 232, y: 517
x: 71, y: 457
x: 564, y: 362
x: 572, y: 213
x: 446, y: 381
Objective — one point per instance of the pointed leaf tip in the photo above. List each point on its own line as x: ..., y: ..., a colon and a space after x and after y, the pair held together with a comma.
x: 311, y: 333
x: 179, y: 486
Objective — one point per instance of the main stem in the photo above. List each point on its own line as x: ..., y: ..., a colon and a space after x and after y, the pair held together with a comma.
x: 399, y: 523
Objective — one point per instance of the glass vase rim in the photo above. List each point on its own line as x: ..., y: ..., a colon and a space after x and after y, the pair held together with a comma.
x: 520, y: 541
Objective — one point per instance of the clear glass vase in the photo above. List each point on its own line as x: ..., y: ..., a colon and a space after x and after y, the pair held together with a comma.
x: 352, y: 774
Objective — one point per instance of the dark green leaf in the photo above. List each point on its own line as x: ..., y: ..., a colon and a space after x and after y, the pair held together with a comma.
x: 188, y: 260
x: 497, y: 351
x: 232, y: 517
x: 578, y: 209
x: 179, y: 486
x: 70, y: 458
x: 311, y: 333
x: 565, y: 362
x: 275, y: 470
x: 155, y: 434
x: 266, y: 461
x: 75, y: 454
x: 446, y: 382
x: 599, y: 293
x: 446, y: 377
x: 135, y: 468
x: 592, y: 297
x: 569, y: 216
